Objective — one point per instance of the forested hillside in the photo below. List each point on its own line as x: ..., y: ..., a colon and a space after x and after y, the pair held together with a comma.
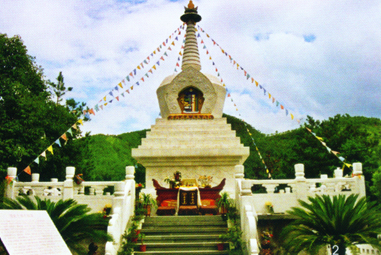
x: 357, y: 139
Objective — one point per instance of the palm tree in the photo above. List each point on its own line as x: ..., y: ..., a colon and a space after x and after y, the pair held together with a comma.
x: 341, y: 222
x: 73, y: 220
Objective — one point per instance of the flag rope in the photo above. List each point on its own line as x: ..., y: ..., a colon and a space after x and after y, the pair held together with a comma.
x: 235, y: 105
x: 87, y: 113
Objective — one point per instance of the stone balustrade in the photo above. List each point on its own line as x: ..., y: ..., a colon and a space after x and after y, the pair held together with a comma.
x: 283, y: 194
x: 120, y: 194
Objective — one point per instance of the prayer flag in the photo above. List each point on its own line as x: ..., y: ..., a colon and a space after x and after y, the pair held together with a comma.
x: 50, y: 148
x: 28, y: 170
x: 64, y: 137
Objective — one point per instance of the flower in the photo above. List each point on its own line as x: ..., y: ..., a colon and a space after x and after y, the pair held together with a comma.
x: 139, y: 185
x: 268, y: 203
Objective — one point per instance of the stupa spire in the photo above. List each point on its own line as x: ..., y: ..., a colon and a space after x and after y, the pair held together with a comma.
x: 191, y: 56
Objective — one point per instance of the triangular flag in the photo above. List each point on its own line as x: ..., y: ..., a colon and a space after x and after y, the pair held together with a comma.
x: 58, y: 142
x: 120, y: 85
x: 28, y: 170
x: 50, y: 148
x: 281, y: 107
x: 117, y: 98
x: 256, y: 83
x: 269, y: 95
x: 80, y: 121
x: 319, y: 138
x: 64, y: 137
x: 101, y: 106
x: 292, y: 116
x: 37, y: 160
x: 335, y: 152
x: 69, y: 131
x: 43, y: 154
x: 154, y: 67
x: 75, y: 126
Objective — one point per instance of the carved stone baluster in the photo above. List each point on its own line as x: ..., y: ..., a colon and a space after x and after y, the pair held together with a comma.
x: 99, y: 190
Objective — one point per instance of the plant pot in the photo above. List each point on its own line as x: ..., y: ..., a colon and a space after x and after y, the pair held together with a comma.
x: 143, y: 247
x: 220, y: 246
x: 148, y: 210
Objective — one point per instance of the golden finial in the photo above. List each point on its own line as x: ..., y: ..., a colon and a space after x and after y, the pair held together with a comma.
x: 191, y: 5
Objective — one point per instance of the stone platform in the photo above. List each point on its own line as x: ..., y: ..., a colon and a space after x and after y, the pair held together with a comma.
x: 193, y: 147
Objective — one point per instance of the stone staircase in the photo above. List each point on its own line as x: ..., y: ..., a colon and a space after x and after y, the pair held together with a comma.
x: 183, y: 235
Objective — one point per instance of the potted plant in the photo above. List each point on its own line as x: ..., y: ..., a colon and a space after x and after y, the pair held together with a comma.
x: 142, y: 247
x: 106, y: 210
x: 223, y: 204
x: 177, y: 176
x: 148, y: 203
x: 223, y: 238
x: 234, y: 237
x: 269, y: 207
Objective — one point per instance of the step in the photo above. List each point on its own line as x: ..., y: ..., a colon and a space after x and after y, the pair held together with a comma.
x: 193, y: 134
x: 184, y: 224
x: 189, y: 230
x: 217, y: 121
x: 184, y: 218
x: 181, y: 238
x: 186, y: 127
x: 190, y: 252
x: 182, y: 246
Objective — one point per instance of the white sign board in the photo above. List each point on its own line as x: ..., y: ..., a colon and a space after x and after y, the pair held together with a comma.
x: 28, y: 232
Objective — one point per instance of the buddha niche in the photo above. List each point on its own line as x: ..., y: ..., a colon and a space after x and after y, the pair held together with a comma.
x: 190, y: 100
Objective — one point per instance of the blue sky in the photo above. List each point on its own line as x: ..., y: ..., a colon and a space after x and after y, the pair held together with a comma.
x: 319, y: 58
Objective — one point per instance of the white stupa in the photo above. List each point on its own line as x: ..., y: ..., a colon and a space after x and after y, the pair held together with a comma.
x: 191, y: 136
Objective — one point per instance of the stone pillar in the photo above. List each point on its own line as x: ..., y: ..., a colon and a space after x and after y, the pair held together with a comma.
x: 35, y: 177
x: 299, y: 172
x: 12, y: 174
x: 130, y: 172
x: 300, y: 187
x: 239, y: 171
x: 68, y: 190
x: 359, y: 177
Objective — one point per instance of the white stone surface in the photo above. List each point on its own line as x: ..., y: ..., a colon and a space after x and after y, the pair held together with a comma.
x: 193, y: 147
x: 212, y: 89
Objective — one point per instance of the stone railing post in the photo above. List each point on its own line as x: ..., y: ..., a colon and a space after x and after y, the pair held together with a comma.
x: 130, y: 172
x: 12, y: 173
x: 359, y: 177
x: 300, y: 185
x: 239, y: 171
x: 68, y: 190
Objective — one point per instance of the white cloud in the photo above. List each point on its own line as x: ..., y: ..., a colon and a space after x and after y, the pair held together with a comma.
x: 96, y: 44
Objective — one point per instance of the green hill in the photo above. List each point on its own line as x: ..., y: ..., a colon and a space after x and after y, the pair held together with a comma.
x: 356, y: 138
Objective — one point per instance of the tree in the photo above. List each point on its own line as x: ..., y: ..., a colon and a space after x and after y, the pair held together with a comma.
x: 72, y: 220
x: 29, y: 120
x: 341, y: 221
x: 59, y: 89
